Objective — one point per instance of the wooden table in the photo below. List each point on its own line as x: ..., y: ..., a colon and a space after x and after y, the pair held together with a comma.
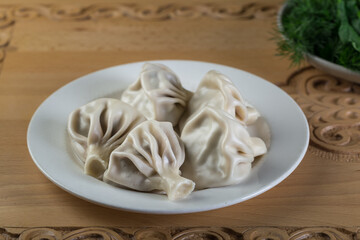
x: 46, y: 44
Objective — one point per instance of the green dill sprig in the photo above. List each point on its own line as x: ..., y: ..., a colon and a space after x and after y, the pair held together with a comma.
x: 313, y: 26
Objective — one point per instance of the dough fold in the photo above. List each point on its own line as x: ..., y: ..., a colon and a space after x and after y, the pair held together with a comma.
x: 149, y: 160
x: 219, y: 149
x: 97, y: 128
x: 158, y: 94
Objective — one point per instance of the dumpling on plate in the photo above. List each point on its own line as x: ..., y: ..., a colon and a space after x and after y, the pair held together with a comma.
x: 219, y: 149
x: 217, y: 91
x: 97, y: 128
x: 149, y: 160
x: 158, y: 94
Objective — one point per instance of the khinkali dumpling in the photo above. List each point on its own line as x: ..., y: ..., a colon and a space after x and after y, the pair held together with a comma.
x: 219, y: 150
x: 158, y: 94
x: 216, y: 90
x: 97, y: 128
x: 149, y: 159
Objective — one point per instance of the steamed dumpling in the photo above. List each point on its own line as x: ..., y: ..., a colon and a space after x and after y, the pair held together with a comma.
x: 217, y: 91
x: 219, y: 150
x: 158, y: 94
x: 149, y: 160
x: 97, y: 128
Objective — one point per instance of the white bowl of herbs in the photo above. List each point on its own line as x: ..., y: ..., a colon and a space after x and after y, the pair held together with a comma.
x: 324, y: 33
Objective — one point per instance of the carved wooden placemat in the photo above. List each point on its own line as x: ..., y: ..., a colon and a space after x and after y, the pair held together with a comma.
x: 210, y: 233
x: 332, y: 107
x: 44, y: 46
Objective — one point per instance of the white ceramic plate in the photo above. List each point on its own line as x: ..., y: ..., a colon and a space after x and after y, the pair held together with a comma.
x: 47, y: 139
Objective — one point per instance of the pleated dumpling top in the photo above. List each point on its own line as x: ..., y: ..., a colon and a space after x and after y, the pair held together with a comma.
x: 216, y: 90
x: 149, y: 160
x: 158, y: 94
x: 219, y: 149
x: 97, y: 128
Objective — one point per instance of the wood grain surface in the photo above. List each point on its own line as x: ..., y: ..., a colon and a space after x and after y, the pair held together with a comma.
x: 47, y: 44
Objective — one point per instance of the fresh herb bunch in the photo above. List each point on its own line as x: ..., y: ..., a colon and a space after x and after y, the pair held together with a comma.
x: 328, y: 29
